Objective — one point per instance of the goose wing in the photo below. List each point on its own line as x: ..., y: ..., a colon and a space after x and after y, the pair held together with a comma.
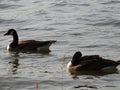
x: 33, y: 44
x: 97, y: 64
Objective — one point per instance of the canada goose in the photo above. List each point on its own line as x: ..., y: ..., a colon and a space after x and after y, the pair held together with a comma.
x: 26, y: 45
x: 90, y: 63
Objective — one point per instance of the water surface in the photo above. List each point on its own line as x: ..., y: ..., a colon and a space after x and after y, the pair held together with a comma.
x: 91, y: 26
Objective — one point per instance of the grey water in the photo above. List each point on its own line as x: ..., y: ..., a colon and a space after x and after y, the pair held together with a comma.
x: 89, y: 26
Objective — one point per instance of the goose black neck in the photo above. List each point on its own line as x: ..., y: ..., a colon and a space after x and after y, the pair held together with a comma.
x: 15, y: 40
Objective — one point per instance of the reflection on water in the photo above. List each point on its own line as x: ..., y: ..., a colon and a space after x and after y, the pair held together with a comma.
x: 94, y: 73
x: 14, y: 66
x: 44, y: 52
x: 105, y: 71
x: 14, y: 62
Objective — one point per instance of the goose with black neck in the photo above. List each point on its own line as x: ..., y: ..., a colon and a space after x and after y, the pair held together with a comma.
x: 91, y: 63
x: 27, y: 45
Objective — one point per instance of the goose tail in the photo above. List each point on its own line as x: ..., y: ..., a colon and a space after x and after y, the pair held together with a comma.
x: 52, y: 41
x: 118, y: 62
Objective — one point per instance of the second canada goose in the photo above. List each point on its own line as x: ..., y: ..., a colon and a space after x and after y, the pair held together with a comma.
x: 26, y: 45
x: 90, y: 63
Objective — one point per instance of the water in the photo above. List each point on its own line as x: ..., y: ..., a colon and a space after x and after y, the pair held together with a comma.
x: 91, y: 26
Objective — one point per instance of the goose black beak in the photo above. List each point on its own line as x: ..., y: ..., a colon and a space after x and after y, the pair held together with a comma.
x: 5, y: 34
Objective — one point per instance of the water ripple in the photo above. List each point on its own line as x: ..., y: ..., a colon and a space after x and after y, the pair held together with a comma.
x: 104, y: 22
x: 7, y: 6
x: 111, y: 2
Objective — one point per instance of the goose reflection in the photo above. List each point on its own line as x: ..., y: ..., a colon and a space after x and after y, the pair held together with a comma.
x: 14, y: 63
x: 75, y: 74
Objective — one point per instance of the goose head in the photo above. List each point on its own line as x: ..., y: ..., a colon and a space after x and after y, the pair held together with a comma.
x: 11, y: 32
x: 75, y: 60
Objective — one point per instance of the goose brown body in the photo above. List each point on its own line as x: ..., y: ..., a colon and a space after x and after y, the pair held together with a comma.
x: 26, y: 45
